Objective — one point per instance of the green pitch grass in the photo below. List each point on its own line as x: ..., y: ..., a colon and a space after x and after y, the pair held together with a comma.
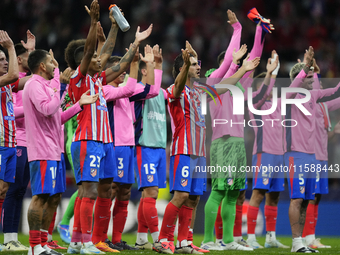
x: 131, y: 238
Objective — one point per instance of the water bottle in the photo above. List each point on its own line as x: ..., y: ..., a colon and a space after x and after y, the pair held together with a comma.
x: 120, y: 19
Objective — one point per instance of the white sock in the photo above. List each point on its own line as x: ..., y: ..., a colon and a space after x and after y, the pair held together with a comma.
x: 270, y: 236
x: 237, y: 238
x: 297, y: 243
x: 10, y: 237
x: 154, y: 236
x: 163, y: 240
x: 49, y: 238
x: 142, y: 238
x: 309, y: 239
x: 251, y: 237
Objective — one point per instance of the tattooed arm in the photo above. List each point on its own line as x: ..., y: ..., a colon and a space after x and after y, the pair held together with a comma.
x: 109, y: 45
x: 113, y: 72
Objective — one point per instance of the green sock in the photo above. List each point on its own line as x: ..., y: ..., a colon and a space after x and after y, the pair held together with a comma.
x: 228, y: 212
x: 69, y: 210
x: 210, y: 211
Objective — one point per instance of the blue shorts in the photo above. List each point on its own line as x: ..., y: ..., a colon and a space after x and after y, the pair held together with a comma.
x: 8, y: 162
x: 185, y: 176
x: 86, y: 157
x: 301, y: 177
x: 150, y: 167
x: 321, y: 177
x: 108, y: 162
x: 268, y: 174
x: 124, y: 172
x: 60, y: 183
x: 43, y: 176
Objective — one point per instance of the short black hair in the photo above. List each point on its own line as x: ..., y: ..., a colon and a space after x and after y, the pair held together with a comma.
x: 19, y: 49
x: 69, y: 52
x: 141, y: 65
x: 220, y: 57
x: 78, y: 55
x: 111, y: 61
x: 35, y: 58
x: 178, y: 64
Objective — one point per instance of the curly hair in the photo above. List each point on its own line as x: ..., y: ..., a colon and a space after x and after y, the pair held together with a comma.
x: 295, y: 70
x: 69, y: 52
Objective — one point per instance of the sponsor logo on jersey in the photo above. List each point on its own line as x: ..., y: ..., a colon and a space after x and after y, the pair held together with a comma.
x: 184, y: 182
x: 93, y: 172
x: 150, y: 178
x: 120, y: 173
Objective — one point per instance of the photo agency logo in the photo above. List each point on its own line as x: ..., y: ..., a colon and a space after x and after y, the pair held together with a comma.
x: 238, y: 104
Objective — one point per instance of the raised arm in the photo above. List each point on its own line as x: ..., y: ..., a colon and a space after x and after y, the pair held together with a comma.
x: 100, y: 37
x: 247, y: 66
x: 183, y: 74
x: 113, y: 72
x: 237, y: 55
x: 13, y: 69
x: 30, y: 42
x: 233, y: 45
x: 91, y: 40
x: 110, y: 42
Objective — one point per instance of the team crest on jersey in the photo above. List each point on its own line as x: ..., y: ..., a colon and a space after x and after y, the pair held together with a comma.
x: 150, y: 178
x: 19, y: 152
x: 230, y: 181
x: 120, y: 173
x: 53, y: 184
x: 184, y: 182
x: 302, y: 189
x: 93, y: 172
x: 265, y: 181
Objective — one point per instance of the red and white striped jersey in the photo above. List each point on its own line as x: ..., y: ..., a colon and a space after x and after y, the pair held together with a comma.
x: 93, y: 121
x: 187, y: 121
x: 7, y: 118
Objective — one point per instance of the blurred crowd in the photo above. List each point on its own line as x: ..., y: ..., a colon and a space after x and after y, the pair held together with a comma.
x: 298, y: 24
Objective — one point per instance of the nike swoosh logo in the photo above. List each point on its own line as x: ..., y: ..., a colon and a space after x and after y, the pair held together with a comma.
x: 152, y: 217
x: 213, y: 212
x: 168, y: 226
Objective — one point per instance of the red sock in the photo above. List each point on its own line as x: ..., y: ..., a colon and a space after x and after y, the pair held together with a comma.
x: 184, y: 221
x: 310, y: 221
x: 50, y: 229
x: 171, y: 235
x: 170, y: 215
x: 270, y: 214
x: 76, y: 235
x: 108, y: 217
x: 316, y: 213
x: 252, y: 218
x: 219, y: 224
x: 190, y: 236
x: 86, y: 218
x: 34, y: 237
x: 238, y: 221
x: 43, y: 234
x: 119, y: 216
x: 150, y: 214
x: 101, y: 220
x: 142, y: 225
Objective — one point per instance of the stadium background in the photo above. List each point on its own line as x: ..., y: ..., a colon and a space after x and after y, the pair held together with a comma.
x: 204, y: 23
